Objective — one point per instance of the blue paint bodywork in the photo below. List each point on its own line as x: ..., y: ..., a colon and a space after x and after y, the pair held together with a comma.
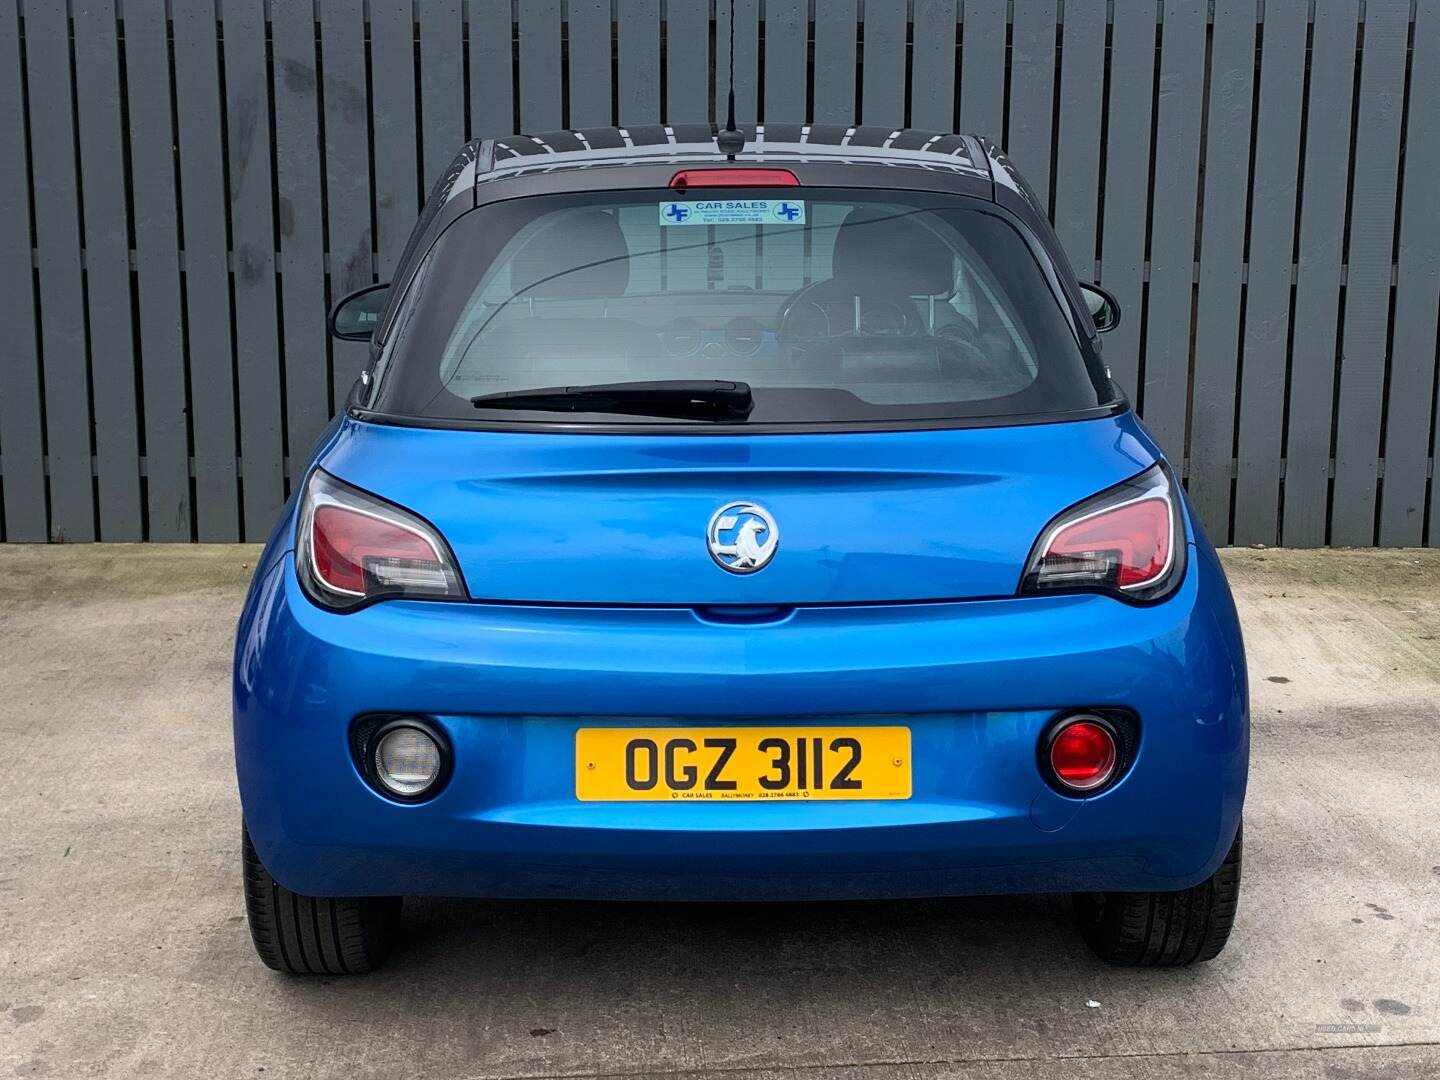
x: 892, y: 600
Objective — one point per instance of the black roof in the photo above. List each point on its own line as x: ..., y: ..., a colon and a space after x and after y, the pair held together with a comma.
x: 515, y: 155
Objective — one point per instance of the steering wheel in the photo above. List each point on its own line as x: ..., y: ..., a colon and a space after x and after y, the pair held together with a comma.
x: 804, y: 316
x: 801, y: 317
x: 963, y: 329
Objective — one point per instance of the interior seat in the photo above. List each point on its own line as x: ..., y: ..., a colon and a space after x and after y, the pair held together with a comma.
x: 880, y: 258
x: 556, y: 322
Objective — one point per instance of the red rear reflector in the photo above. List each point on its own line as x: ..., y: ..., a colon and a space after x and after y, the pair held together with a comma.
x: 688, y: 178
x: 347, y: 543
x: 1130, y: 542
x: 1083, y: 755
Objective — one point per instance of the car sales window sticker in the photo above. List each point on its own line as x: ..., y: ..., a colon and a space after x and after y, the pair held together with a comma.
x: 734, y: 212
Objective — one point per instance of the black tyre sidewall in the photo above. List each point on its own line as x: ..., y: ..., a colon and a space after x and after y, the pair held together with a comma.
x: 315, y: 935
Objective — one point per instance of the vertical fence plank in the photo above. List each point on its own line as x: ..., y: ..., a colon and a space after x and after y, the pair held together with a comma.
x: 62, y: 296
x: 1032, y: 92
x: 1317, y: 284
x: 157, y: 272
x: 1172, y: 242
x: 1222, y: 263
x: 302, y: 228
x: 540, y: 66
x: 982, y: 68
x: 107, y: 270
x: 200, y: 141
x: 1077, y: 154
x: 347, y: 173
x: 492, y: 70
x: 787, y: 46
x: 882, y: 64
x: 442, y: 85
x: 252, y: 224
x: 687, y: 64
x: 835, y: 56
x: 746, y: 14
x: 21, y: 444
x: 639, y: 60
x: 1370, y: 264
x: 933, y: 63
x: 392, y: 105
x: 1127, y: 182
x: 591, y: 98
x: 1268, y: 292
x: 1417, y: 298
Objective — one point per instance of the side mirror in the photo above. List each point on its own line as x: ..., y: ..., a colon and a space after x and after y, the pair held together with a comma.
x: 1104, y: 308
x: 355, y: 317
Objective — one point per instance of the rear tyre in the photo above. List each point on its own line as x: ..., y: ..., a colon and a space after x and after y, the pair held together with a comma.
x: 315, y: 935
x: 1163, y: 929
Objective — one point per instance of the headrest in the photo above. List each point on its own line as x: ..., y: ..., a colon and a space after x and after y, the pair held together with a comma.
x: 580, y: 256
x: 880, y: 252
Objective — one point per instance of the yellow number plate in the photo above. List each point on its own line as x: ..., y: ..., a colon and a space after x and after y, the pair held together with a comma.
x: 741, y: 763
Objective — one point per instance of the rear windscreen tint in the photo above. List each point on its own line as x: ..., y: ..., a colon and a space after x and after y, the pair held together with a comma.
x: 833, y: 305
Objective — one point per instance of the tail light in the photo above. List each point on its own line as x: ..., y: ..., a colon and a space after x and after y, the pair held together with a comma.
x: 1084, y: 753
x: 1128, y: 541
x: 353, y: 548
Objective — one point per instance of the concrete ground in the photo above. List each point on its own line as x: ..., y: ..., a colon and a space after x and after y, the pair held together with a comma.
x: 123, y: 949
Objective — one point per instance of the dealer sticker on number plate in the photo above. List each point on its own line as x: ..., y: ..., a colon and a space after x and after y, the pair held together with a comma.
x: 715, y: 764
x: 734, y: 212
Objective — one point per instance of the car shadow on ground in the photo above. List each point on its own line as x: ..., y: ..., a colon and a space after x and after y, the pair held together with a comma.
x: 672, y: 944
x: 547, y: 988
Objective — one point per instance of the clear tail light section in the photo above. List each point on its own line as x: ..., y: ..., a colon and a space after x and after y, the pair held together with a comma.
x: 353, y: 548
x: 1128, y: 541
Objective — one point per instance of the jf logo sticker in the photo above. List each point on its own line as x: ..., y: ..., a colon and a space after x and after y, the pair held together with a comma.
x: 734, y: 212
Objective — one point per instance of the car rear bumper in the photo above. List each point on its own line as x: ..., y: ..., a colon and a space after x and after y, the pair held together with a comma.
x: 976, y: 682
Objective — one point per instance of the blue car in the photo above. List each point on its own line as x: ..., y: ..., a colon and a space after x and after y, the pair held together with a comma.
x: 752, y: 521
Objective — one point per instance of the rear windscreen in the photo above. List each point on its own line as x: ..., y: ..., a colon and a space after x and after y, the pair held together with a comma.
x: 833, y: 305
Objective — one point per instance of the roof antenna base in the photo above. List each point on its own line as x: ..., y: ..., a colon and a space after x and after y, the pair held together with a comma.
x: 730, y: 142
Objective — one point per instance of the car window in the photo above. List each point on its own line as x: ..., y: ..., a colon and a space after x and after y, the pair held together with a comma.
x: 832, y: 306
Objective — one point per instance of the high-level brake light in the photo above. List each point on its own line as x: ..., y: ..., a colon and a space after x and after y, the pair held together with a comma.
x: 697, y: 178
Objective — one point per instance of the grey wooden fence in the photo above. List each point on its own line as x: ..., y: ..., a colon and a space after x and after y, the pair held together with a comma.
x: 185, y: 185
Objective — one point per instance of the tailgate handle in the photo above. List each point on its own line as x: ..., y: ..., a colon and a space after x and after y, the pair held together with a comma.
x: 744, y: 614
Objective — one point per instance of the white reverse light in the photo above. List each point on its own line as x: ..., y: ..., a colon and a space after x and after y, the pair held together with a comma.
x: 407, y: 761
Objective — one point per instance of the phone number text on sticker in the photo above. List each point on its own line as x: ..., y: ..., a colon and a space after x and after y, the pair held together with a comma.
x: 734, y: 212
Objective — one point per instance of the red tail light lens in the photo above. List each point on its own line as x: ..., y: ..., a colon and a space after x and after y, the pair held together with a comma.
x: 1127, y: 540
x: 350, y: 544
x: 1130, y: 544
x: 1083, y: 755
x: 688, y: 178
x: 353, y: 548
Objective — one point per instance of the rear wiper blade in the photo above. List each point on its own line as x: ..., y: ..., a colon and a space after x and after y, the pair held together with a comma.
x: 702, y: 399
